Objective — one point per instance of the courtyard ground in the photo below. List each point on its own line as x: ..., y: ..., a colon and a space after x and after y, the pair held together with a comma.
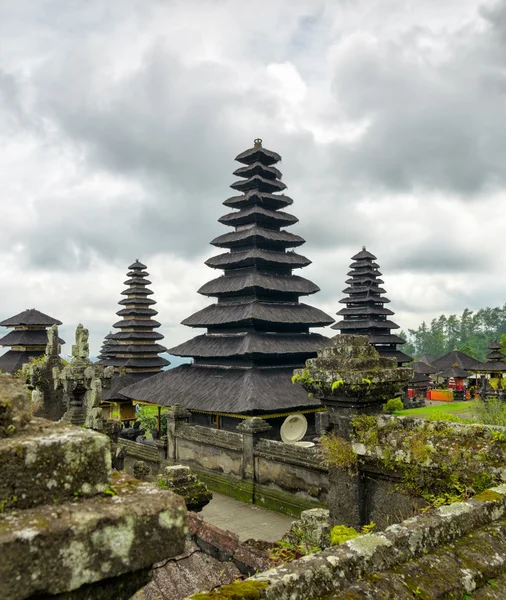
x: 246, y: 520
x: 460, y: 409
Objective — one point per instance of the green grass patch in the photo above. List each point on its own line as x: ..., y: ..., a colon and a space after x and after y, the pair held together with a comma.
x: 462, y: 409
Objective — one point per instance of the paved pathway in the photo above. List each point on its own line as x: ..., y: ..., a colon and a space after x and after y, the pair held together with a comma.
x: 246, y: 520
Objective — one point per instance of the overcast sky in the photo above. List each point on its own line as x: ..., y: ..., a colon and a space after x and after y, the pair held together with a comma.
x: 120, y: 120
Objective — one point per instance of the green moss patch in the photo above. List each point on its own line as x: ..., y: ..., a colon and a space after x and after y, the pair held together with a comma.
x: 488, y: 496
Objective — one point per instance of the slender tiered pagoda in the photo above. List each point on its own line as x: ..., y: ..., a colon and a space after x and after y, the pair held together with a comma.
x: 134, y: 350
x: 495, y: 360
x: 27, y: 340
x: 257, y: 331
x: 365, y: 312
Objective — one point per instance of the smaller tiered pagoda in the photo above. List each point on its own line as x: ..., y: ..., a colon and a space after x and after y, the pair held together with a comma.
x: 134, y: 350
x: 365, y: 312
x: 496, y: 360
x: 27, y: 340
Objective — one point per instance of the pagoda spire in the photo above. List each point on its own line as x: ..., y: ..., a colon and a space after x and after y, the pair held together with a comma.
x: 134, y: 348
x: 27, y: 340
x: 365, y: 312
x: 257, y: 330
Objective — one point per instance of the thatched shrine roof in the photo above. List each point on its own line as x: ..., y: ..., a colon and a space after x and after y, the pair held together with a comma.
x: 223, y: 390
x: 26, y: 337
x: 456, y: 357
x: 32, y: 317
x: 455, y: 371
x: 244, y: 283
x: 13, y: 360
x: 423, y: 368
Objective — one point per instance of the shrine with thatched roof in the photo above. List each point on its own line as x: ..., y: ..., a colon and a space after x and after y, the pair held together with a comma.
x: 365, y: 312
x: 134, y: 350
x: 28, y: 338
x: 495, y: 360
x: 257, y: 330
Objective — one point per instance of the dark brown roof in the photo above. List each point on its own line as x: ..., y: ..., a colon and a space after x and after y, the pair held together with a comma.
x: 278, y: 283
x: 257, y: 168
x: 256, y: 234
x: 455, y: 372
x: 364, y: 324
x: 26, y: 337
x: 118, y: 382
x: 257, y: 198
x: 137, y: 335
x: 258, y: 154
x: 456, y: 357
x: 259, y: 183
x: 423, y: 368
x: 250, y: 344
x: 13, y: 360
x: 386, y: 339
x: 365, y: 310
x: 138, y: 291
x: 223, y: 390
x: 137, y: 266
x: 257, y: 214
x: 257, y: 256
x: 493, y: 366
x: 143, y: 323
x: 363, y: 254
x: 137, y: 362
x: 146, y: 312
x: 221, y: 314
x: 30, y: 316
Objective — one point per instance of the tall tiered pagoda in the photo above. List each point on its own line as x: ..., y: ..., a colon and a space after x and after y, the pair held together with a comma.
x: 365, y: 312
x: 27, y: 340
x: 134, y: 350
x: 257, y: 331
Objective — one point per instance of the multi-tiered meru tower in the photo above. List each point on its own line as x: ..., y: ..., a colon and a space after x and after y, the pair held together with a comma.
x: 257, y: 331
x: 365, y: 312
x: 134, y: 350
x: 27, y: 340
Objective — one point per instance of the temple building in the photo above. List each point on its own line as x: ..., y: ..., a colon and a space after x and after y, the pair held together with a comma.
x: 257, y: 331
x: 365, y: 312
x: 134, y: 350
x: 456, y: 358
x: 27, y: 340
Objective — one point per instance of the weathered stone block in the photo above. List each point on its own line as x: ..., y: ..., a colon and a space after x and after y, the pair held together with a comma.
x: 15, y: 409
x: 50, y: 463
x: 56, y: 549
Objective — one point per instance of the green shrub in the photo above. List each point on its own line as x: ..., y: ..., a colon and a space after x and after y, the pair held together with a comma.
x: 492, y: 412
x: 393, y: 405
x: 340, y: 534
x: 339, y: 453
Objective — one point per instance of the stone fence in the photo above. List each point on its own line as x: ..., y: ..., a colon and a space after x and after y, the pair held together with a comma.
x: 282, y: 477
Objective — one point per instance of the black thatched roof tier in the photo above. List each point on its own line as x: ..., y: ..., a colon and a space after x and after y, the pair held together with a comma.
x: 493, y: 366
x: 118, y: 382
x: 361, y: 299
x: 156, y: 362
x: 137, y: 335
x: 420, y: 381
x: 135, y: 349
x: 138, y: 301
x: 455, y: 371
x: 136, y: 291
x: 137, y: 266
x: 285, y: 314
x: 26, y: 337
x: 250, y: 344
x: 423, y: 368
x: 365, y: 311
x: 457, y: 358
x: 13, y: 360
x: 258, y: 236
x: 146, y: 312
x: 258, y: 322
x: 257, y: 168
x: 364, y: 255
x: 259, y: 258
x: 258, y: 154
x: 257, y: 198
x: 259, y: 183
x: 357, y: 325
x: 225, y: 285
x: 260, y: 216
x: 29, y: 317
x: 144, y: 323
x: 224, y: 390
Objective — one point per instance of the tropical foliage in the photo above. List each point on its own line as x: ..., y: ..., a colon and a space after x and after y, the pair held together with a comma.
x: 470, y: 332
